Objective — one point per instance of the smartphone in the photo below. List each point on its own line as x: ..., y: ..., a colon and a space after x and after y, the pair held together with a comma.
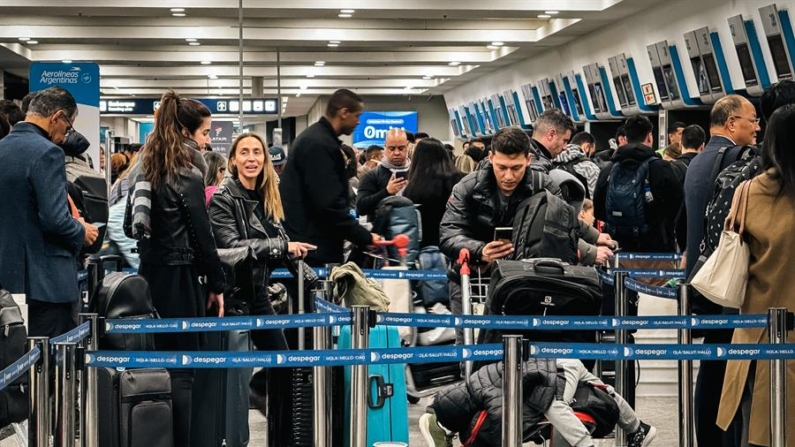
x: 503, y: 234
x: 401, y: 174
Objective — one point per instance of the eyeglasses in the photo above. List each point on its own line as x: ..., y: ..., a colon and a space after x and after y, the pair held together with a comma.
x: 69, y: 127
x: 753, y: 120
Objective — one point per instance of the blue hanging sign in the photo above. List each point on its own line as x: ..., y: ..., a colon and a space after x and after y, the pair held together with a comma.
x: 373, y: 126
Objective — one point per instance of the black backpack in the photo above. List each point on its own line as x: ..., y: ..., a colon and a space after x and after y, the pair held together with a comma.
x: 545, y: 227
x: 626, y: 203
x: 569, y: 167
x: 747, y: 166
x: 398, y: 215
x: 89, y: 191
x: 124, y: 296
x: 593, y: 400
x: 13, y: 341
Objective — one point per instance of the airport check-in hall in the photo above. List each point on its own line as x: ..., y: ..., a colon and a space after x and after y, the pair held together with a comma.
x: 437, y: 223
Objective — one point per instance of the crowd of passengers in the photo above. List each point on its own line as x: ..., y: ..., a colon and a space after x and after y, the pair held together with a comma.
x: 283, y: 205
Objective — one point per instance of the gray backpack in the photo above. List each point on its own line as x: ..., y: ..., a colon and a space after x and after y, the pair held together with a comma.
x: 545, y: 227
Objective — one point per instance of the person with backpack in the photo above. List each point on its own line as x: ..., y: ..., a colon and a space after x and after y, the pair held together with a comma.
x: 551, y: 133
x: 768, y: 218
x: 552, y: 388
x: 574, y: 160
x: 692, y: 143
x: 389, y: 178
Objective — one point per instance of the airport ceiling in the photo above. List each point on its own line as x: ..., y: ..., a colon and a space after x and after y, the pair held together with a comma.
x: 375, y: 47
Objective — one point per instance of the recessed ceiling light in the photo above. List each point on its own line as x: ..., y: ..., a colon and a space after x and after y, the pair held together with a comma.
x: 304, y: 87
x: 32, y: 42
x: 544, y: 16
x: 206, y: 62
x: 319, y: 63
x: 190, y: 39
x: 454, y: 64
x: 344, y: 16
x: 347, y: 11
x: 497, y: 44
x: 177, y: 9
x: 178, y: 14
x: 24, y: 39
x: 333, y: 41
x: 194, y: 44
x: 298, y: 95
x: 212, y: 76
x: 491, y: 47
x: 550, y: 12
x: 427, y: 77
x: 310, y: 76
x: 333, y: 45
x: 66, y: 61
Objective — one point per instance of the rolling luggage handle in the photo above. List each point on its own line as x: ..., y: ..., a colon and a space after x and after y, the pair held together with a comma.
x: 466, y: 304
x: 401, y: 242
x: 549, y: 266
x: 383, y: 392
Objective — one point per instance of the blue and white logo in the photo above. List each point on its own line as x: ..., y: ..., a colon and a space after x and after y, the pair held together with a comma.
x: 628, y: 352
x: 721, y: 352
x: 260, y: 322
x: 373, y: 126
x: 187, y: 360
x: 374, y: 357
x: 185, y: 325
x: 90, y: 358
x: 280, y: 359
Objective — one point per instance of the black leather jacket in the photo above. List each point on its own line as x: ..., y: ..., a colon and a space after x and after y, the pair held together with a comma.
x: 235, y: 225
x: 181, y: 233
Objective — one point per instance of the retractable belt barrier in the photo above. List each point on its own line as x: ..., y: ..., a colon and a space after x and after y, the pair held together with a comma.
x: 21, y: 366
x: 76, y: 335
x: 648, y: 256
x: 415, y: 275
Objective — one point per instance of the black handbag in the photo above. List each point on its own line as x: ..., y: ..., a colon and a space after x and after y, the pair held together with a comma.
x: 593, y: 400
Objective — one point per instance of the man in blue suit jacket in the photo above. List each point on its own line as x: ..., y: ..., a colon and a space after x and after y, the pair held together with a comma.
x: 39, y: 238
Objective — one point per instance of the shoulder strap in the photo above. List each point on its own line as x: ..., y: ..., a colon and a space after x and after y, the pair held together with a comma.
x: 716, y: 168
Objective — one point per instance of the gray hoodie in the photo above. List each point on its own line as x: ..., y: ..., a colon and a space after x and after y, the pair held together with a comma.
x: 574, y: 155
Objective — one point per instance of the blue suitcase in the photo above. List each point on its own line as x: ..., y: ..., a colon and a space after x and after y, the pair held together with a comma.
x: 387, y: 412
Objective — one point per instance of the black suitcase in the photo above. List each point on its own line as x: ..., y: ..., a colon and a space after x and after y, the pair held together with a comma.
x: 134, y: 408
x: 220, y: 397
x: 543, y: 287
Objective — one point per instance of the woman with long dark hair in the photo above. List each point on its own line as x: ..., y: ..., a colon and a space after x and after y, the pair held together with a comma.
x: 430, y: 182
x: 769, y: 219
x: 179, y: 259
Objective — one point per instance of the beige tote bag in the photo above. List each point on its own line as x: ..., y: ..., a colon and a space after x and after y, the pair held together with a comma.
x: 724, y: 277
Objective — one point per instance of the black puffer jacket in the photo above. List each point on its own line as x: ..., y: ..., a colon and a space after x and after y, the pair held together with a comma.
x: 235, y: 224
x: 181, y: 233
x: 457, y: 407
x: 474, y: 210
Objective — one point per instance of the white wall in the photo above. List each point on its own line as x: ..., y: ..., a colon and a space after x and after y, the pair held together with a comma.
x: 664, y: 20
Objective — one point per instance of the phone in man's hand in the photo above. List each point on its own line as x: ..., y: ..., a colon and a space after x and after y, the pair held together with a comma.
x: 401, y: 174
x: 503, y: 234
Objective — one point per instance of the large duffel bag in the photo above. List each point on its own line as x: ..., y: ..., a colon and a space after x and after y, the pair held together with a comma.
x: 543, y: 287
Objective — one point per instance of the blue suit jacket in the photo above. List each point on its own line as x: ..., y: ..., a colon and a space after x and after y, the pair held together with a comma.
x: 39, y: 239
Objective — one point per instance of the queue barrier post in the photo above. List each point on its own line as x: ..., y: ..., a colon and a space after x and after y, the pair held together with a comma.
x: 621, y: 385
x: 686, y: 413
x: 512, y: 391
x: 777, y: 334
x: 39, y: 427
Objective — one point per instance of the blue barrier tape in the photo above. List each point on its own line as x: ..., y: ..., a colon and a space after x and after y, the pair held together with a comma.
x: 16, y: 369
x: 292, y: 359
x: 592, y: 351
x: 329, y: 307
x: 659, y: 292
x: 606, y: 277
x: 82, y: 275
x: 76, y: 335
x: 649, y: 273
x: 433, y: 354
x: 414, y: 275
x: 171, y: 325
x: 649, y: 256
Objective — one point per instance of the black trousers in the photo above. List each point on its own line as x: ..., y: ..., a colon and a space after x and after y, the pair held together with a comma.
x: 709, y: 385
x: 49, y: 319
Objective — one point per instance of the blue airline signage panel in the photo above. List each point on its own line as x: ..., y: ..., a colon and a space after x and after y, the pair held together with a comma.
x: 217, y: 106
x: 373, y: 126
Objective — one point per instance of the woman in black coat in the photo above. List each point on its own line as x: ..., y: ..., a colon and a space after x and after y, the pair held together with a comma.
x: 180, y: 249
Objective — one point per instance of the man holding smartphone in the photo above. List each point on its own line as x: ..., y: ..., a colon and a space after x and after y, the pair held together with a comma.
x: 389, y: 178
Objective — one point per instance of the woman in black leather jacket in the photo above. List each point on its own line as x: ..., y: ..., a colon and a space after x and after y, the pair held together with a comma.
x: 179, y: 259
x: 246, y: 211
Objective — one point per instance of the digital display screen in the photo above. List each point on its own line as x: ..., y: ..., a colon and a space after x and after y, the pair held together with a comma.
x: 577, y: 101
x: 594, y: 98
x: 779, y: 57
x: 600, y: 96
x: 712, y: 72
x: 701, y: 75
x: 531, y: 109
x: 628, y: 87
x: 548, y: 102
x: 564, y: 103
x: 670, y: 81
x: 747, y: 65
x: 456, y: 130
x: 659, y: 78
x: 622, y: 96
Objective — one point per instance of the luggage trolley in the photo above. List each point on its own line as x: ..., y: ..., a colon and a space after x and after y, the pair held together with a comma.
x: 474, y: 292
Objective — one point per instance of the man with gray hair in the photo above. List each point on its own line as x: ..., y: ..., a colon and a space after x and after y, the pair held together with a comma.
x: 388, y: 178
x: 551, y: 134
x: 40, y: 239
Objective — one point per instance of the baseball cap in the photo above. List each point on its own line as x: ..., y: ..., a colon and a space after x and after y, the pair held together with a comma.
x: 278, y: 157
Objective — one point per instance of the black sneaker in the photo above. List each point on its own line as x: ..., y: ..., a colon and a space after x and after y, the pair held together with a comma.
x: 643, y: 436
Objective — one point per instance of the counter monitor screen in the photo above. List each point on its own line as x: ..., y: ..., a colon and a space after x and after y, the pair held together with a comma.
x: 746, y: 64
x: 701, y: 75
x: 600, y: 96
x: 659, y: 78
x: 670, y: 81
x: 779, y: 57
x: 712, y: 72
x: 628, y: 87
x: 622, y: 97
x: 595, y: 100
x: 577, y: 101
